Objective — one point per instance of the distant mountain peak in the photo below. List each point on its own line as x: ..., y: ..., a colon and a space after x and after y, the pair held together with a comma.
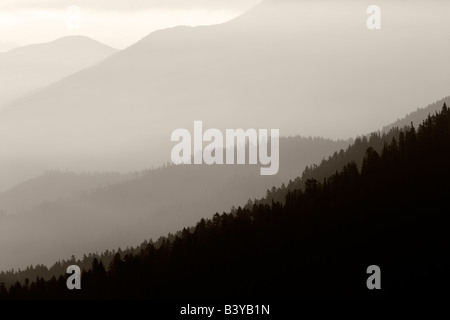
x: 77, y: 39
x: 35, y: 66
x: 72, y: 41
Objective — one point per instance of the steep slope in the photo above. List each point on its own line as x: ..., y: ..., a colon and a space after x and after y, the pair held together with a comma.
x: 151, y: 202
x: 419, y: 115
x: 320, y: 243
x: 312, y: 60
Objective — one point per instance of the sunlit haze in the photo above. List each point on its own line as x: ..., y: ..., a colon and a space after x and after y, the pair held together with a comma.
x: 25, y: 22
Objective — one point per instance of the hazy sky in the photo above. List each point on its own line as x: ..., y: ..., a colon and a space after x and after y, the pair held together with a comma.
x: 117, y: 23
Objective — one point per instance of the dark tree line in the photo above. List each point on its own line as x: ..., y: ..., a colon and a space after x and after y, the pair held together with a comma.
x: 316, y: 243
x: 12, y: 277
x: 334, y: 163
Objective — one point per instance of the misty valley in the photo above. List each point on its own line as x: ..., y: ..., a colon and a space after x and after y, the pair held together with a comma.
x: 204, y: 151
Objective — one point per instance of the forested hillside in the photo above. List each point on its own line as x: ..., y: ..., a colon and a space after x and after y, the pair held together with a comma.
x: 317, y: 243
x: 95, y: 212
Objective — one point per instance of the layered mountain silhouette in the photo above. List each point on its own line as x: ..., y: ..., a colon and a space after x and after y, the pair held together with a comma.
x: 30, y: 68
x: 96, y: 212
x: 305, y: 67
x: 59, y: 212
x: 300, y: 66
x: 385, y: 212
x: 55, y: 185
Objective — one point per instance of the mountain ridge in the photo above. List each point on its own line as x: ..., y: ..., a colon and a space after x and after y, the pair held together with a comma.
x: 29, y: 68
x: 347, y: 222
